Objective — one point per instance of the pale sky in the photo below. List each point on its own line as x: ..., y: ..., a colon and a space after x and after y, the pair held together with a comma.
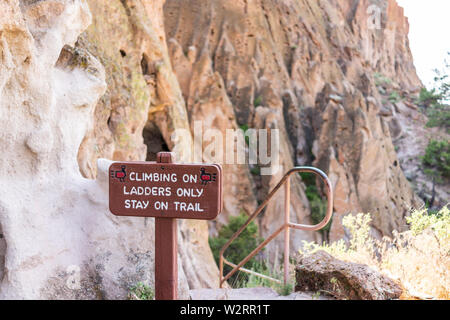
x: 429, y: 34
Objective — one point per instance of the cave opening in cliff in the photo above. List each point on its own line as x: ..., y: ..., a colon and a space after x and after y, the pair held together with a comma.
x: 145, y: 65
x: 154, y: 141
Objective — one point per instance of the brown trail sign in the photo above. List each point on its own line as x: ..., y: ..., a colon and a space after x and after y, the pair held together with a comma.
x: 165, y: 191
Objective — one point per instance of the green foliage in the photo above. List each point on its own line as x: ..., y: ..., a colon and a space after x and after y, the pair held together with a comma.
x: 257, y: 102
x: 439, y: 116
x: 285, y: 289
x: 255, y: 281
x: 436, y: 161
x: 256, y: 170
x: 438, y: 222
x: 358, y: 227
x: 317, y: 203
x: 316, y: 295
x: 381, y: 79
x: 436, y: 100
x: 240, y: 248
x: 394, y: 97
x: 428, y: 98
x: 418, y: 258
x: 245, y: 128
x: 318, y: 207
x: 442, y: 81
x: 141, y: 291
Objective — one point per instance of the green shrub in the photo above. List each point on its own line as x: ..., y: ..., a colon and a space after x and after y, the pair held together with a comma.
x: 141, y: 291
x: 317, y: 204
x: 437, y: 221
x: 438, y: 113
x: 359, y: 246
x: 245, y: 128
x: 257, y: 102
x: 381, y: 79
x: 275, y: 272
x: 417, y: 258
x: 240, y: 248
x: 436, y: 161
x: 439, y: 116
x: 256, y: 170
x: 285, y: 289
x: 428, y: 98
x: 394, y: 97
x: 254, y: 281
x: 442, y: 81
x: 436, y: 100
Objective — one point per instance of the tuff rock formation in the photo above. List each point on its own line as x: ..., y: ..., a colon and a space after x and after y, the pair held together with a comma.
x: 307, y: 68
x: 83, y: 80
x: 343, y: 280
x: 58, y: 238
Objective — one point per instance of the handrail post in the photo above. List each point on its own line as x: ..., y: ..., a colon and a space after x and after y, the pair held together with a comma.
x: 287, y: 204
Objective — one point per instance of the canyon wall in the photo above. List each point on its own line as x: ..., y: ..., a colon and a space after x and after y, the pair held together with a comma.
x: 311, y: 66
x: 85, y: 80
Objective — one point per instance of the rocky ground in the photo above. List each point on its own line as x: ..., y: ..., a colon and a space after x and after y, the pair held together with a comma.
x: 259, y: 293
x: 411, y: 137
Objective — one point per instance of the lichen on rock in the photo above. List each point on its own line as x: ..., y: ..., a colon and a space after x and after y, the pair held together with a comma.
x: 320, y: 272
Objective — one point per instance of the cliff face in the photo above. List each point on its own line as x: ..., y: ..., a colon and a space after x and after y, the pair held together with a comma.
x: 58, y: 239
x: 311, y: 65
x: 142, y: 107
x: 82, y: 80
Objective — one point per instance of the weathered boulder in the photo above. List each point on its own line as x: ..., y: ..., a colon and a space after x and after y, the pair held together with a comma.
x: 345, y: 280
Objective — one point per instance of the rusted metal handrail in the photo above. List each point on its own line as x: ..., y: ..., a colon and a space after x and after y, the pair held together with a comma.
x: 285, y: 227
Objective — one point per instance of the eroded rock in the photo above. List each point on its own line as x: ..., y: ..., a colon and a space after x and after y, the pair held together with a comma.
x: 308, y: 65
x: 58, y: 238
x: 344, y: 280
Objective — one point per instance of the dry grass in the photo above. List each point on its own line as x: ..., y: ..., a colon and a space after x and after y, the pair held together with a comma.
x: 419, y: 259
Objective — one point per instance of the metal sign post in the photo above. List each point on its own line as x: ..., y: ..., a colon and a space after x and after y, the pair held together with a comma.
x: 166, y: 191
